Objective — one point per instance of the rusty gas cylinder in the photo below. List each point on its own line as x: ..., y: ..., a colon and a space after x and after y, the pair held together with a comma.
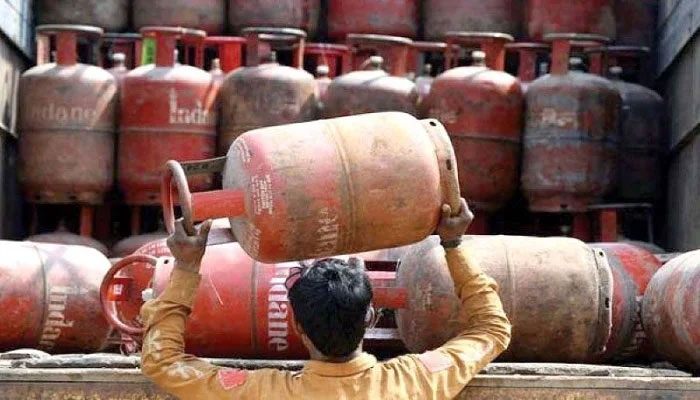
x: 482, y: 108
x: 132, y: 244
x: 337, y: 57
x: 418, y: 64
x: 636, y: 22
x: 221, y: 323
x: 640, y: 170
x: 207, y: 15
x: 389, y: 17
x: 443, y: 16
x: 66, y: 111
x: 300, y: 14
x: 313, y: 189
x: 167, y: 112
x: 63, y: 236
x: 632, y: 269
x: 671, y: 311
x: 265, y: 93
x: 529, y: 60
x: 110, y: 15
x: 49, y: 295
x: 555, y: 291
x: 372, y: 89
x: 554, y: 16
x: 571, y: 134
x: 228, y: 49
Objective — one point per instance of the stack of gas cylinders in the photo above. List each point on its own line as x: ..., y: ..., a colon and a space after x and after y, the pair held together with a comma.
x: 545, y: 114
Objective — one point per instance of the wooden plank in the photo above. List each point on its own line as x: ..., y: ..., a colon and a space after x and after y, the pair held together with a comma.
x: 682, y: 24
x: 16, y: 23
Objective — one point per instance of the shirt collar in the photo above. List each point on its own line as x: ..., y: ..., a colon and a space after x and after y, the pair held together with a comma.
x: 358, y: 364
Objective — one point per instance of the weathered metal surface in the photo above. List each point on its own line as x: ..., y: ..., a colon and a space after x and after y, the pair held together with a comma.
x: 167, y: 112
x: 418, y: 65
x: 442, y: 16
x: 111, y: 15
x: 241, y: 310
x: 388, y: 17
x: 131, y: 244
x: 557, y: 16
x: 529, y: 56
x: 208, y: 15
x: 67, y: 110
x: 571, y: 135
x: 632, y: 269
x: 555, y: 291
x: 128, y: 44
x: 264, y: 94
x: 229, y: 50
x: 50, y: 297
x: 636, y: 22
x: 482, y: 109
x: 373, y: 89
x: 671, y: 311
x: 292, y: 192
x: 336, y: 57
x: 63, y: 236
x: 301, y: 14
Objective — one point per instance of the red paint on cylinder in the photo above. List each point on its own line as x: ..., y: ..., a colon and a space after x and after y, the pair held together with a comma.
x: 443, y: 16
x: 208, y: 15
x: 300, y: 14
x: 110, y: 15
x: 558, y: 16
x: 389, y: 17
x: 167, y: 112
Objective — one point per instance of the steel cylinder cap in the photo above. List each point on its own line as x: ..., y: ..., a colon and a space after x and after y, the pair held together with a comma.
x: 119, y: 58
x: 576, y: 63
x: 322, y: 70
x: 374, y: 63
x: 616, y: 71
x: 427, y: 69
x: 479, y: 58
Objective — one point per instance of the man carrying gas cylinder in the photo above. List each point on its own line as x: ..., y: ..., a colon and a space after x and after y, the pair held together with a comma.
x: 331, y: 300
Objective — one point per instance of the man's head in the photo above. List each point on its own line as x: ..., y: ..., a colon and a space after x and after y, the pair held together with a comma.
x: 331, y: 300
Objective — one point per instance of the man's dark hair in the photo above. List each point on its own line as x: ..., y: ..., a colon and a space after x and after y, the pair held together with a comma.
x: 330, y: 301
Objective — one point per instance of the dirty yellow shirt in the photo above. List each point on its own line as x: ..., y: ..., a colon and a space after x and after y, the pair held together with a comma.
x: 438, y: 374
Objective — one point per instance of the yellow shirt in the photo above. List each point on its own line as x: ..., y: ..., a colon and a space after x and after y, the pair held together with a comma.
x: 438, y: 374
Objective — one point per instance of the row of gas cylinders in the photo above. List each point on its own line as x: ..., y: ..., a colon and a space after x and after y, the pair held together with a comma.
x: 567, y: 301
x: 566, y: 128
x: 631, y: 22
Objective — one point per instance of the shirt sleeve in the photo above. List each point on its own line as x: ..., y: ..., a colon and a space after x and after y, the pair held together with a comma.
x: 444, y: 372
x: 163, y: 359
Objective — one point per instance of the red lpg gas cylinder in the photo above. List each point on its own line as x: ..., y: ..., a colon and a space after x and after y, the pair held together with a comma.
x: 421, y: 68
x: 241, y: 308
x: 632, y: 269
x: 66, y: 111
x: 530, y: 59
x: 336, y: 57
x: 388, y: 17
x: 671, y: 311
x: 128, y: 44
x: 636, y: 21
x: 554, y: 16
x: 571, y: 133
x: 300, y: 14
x: 373, y: 89
x: 167, y: 112
x: 62, y: 236
x: 111, y: 15
x: 442, y: 16
x: 228, y: 49
x: 555, y: 291
x: 482, y: 109
x: 327, y: 187
x: 265, y: 93
x: 641, y: 144
x: 207, y: 15
x: 49, y: 295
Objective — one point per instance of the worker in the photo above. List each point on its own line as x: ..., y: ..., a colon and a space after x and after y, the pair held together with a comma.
x: 331, y: 300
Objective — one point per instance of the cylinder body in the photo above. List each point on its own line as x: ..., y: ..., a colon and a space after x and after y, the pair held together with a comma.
x: 636, y: 22
x: 632, y: 269
x: 390, y: 17
x: 301, y: 14
x: 325, y: 199
x: 264, y: 95
x: 111, y: 15
x: 555, y: 291
x: 208, y: 15
x: 442, y: 16
x: 482, y: 109
x: 671, y: 311
x: 558, y: 16
x: 50, y: 297
x: 168, y: 111
x: 640, y: 158
x: 67, y: 110
x: 63, y: 237
x: 570, y: 141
